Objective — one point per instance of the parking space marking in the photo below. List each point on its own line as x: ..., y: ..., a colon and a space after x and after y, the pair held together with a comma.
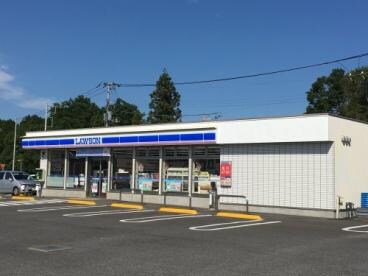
x: 230, y: 225
x: 104, y: 213
x: 160, y: 217
x: 35, y: 202
x: 46, y: 209
x: 351, y: 228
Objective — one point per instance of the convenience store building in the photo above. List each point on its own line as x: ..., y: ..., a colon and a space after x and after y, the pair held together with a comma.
x: 294, y: 165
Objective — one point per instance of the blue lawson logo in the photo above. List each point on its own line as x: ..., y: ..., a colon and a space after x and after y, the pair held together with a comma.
x: 88, y: 141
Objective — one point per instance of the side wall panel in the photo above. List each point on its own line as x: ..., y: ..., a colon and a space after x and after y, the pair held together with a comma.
x: 351, y: 159
x: 297, y: 175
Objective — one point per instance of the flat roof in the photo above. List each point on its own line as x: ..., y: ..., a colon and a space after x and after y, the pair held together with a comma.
x: 159, y: 127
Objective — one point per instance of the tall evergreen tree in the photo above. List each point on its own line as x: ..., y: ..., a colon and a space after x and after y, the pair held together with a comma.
x: 165, y: 101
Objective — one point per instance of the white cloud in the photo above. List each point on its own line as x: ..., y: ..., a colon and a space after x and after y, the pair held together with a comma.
x: 17, y: 95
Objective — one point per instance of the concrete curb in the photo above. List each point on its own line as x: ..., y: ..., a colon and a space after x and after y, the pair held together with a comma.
x: 81, y: 202
x: 127, y: 205
x: 238, y: 215
x: 25, y: 198
x: 178, y: 210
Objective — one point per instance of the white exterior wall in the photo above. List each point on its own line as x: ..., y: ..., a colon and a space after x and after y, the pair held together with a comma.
x: 351, y: 168
x: 273, y: 130
x: 297, y: 175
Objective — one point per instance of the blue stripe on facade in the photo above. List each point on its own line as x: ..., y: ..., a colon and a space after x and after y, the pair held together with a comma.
x: 148, y: 138
x: 66, y: 142
x: 110, y: 140
x: 169, y: 138
x: 209, y: 136
x: 191, y: 137
x: 51, y: 142
x: 186, y: 137
x: 129, y: 139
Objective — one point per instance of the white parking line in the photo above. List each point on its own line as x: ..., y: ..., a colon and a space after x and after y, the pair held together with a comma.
x: 33, y: 202
x: 230, y: 225
x: 46, y: 209
x: 161, y: 217
x: 102, y: 213
x: 350, y: 229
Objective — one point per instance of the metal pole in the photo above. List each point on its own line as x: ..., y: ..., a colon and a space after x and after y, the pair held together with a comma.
x: 15, y: 143
x: 46, y: 115
x: 108, y: 94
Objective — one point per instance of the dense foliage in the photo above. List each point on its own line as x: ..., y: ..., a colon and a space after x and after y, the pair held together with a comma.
x: 79, y: 112
x: 341, y: 93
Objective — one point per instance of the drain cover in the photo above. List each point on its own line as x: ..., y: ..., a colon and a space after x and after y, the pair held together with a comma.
x: 49, y: 248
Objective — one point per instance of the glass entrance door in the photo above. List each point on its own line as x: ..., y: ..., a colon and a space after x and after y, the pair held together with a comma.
x: 97, y: 177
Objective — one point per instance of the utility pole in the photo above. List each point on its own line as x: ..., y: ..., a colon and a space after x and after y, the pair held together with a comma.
x: 46, y: 115
x: 110, y: 86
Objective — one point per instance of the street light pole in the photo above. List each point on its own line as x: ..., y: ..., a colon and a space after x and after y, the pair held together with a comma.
x: 46, y: 115
x: 15, y: 143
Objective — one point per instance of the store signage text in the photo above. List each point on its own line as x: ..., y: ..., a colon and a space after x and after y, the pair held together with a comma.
x: 88, y: 141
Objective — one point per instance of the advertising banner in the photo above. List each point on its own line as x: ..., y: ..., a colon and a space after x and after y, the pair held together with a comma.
x: 173, y: 185
x: 92, y: 152
x: 226, y: 173
x: 145, y: 183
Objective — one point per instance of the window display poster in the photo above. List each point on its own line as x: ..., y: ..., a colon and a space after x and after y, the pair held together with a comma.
x: 173, y: 185
x: 145, y: 183
x: 94, y: 185
x: 225, y: 173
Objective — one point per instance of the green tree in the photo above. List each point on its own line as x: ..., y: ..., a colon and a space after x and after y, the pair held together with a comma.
x: 6, y: 142
x: 124, y: 113
x: 79, y: 112
x: 165, y: 101
x: 340, y: 93
x: 25, y: 159
x: 28, y: 159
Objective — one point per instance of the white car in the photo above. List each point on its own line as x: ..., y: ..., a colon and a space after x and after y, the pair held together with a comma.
x: 16, y: 182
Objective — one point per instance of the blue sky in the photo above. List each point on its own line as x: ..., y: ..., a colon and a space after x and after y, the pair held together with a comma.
x: 53, y: 50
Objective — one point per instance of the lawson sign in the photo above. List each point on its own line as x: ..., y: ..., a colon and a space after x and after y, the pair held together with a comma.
x: 182, y: 138
x: 88, y: 141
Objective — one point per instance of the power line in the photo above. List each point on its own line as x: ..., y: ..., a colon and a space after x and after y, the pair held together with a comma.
x: 252, y: 75
x: 97, y: 92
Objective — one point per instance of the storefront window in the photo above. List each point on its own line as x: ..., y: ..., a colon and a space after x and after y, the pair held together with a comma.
x: 122, y: 169
x: 76, y: 178
x: 147, y: 162
x: 206, y: 169
x: 55, y: 177
x: 176, y: 169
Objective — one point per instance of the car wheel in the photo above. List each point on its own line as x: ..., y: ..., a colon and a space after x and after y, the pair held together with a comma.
x: 15, y: 191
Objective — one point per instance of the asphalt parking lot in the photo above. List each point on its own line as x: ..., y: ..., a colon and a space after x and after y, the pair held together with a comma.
x: 101, y: 240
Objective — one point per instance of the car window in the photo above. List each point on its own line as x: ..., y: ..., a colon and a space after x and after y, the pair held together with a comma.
x: 21, y: 176
x: 1, y: 175
x: 8, y: 176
